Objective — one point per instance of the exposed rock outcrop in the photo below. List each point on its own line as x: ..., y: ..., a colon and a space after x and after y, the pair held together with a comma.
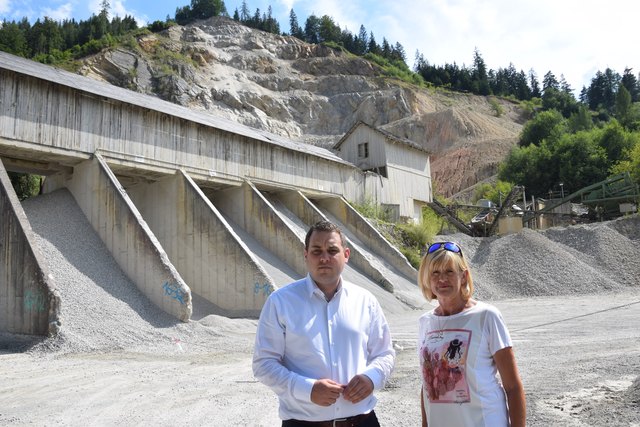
x: 311, y: 93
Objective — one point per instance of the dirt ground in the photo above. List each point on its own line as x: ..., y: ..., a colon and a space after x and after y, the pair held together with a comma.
x: 578, y: 357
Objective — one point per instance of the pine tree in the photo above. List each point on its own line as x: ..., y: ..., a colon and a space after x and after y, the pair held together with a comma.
x: 373, y: 46
x: 550, y: 82
x: 534, y: 85
x: 295, y: 29
x: 630, y: 82
x: 244, y: 12
x: 361, y: 41
x: 480, y: 76
x: 104, y: 9
x: 13, y: 40
x: 398, y: 53
x: 312, y: 29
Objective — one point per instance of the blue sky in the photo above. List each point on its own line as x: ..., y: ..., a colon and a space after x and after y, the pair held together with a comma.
x: 574, y: 38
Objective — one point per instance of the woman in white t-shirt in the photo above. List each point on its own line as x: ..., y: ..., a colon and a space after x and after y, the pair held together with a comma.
x: 462, y: 345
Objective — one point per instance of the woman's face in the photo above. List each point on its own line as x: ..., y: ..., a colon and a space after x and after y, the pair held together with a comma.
x: 447, y: 280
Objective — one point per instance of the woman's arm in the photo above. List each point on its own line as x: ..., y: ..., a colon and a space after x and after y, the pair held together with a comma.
x: 506, y: 363
x: 422, y: 411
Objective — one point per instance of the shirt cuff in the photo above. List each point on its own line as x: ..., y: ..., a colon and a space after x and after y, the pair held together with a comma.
x: 302, y: 387
x: 375, y: 377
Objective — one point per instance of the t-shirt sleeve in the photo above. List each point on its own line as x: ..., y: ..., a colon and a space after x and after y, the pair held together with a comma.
x: 497, y: 331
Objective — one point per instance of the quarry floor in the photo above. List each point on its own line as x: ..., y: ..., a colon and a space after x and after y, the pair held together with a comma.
x: 578, y: 357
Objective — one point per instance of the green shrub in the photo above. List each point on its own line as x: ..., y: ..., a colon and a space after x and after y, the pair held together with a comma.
x: 25, y: 185
x: 496, y: 107
x: 371, y: 210
x: 396, y: 69
x: 413, y: 256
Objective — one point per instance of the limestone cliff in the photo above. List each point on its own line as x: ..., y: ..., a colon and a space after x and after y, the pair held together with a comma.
x: 310, y: 93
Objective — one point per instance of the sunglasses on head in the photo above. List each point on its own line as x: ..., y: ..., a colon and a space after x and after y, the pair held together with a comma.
x: 447, y: 246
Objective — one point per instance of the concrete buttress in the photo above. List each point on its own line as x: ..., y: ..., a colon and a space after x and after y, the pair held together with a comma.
x: 126, y: 234
x: 210, y: 256
x: 29, y: 301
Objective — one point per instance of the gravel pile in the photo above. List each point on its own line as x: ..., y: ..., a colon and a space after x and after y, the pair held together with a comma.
x: 633, y: 392
x: 103, y: 311
x: 576, y: 260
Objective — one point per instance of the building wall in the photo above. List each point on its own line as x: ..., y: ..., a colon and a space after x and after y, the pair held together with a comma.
x: 408, y: 181
x: 406, y: 157
x: 364, y: 134
x: 79, y: 123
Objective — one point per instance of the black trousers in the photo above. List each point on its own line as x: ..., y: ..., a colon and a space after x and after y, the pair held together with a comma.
x: 370, y: 421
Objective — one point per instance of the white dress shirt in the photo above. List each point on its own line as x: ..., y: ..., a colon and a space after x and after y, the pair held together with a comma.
x: 302, y: 338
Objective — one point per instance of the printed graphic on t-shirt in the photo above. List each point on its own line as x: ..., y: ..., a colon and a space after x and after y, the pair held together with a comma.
x: 444, y: 360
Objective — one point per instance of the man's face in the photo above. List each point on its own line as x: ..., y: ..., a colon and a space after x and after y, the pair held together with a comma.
x: 326, y: 258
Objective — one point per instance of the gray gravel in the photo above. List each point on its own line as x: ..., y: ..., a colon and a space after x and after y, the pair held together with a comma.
x: 576, y: 260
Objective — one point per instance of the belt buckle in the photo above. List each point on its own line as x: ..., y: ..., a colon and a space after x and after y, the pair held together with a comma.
x: 338, y: 420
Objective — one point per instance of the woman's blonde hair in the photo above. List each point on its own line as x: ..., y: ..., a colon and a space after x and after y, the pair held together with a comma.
x: 442, y: 259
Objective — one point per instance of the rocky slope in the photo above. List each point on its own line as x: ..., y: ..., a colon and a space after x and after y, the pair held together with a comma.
x: 310, y: 93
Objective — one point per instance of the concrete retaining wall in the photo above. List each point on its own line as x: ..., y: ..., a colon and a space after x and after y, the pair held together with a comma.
x: 128, y: 237
x: 301, y: 207
x: 255, y: 214
x: 211, y: 258
x: 304, y: 208
x: 29, y: 301
x: 371, y: 237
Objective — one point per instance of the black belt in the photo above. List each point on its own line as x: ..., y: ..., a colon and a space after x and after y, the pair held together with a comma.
x: 354, y: 421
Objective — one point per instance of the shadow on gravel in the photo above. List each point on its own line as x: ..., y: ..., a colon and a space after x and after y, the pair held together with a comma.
x: 18, y: 343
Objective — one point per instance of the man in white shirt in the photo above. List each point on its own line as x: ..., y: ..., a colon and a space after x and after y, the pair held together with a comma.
x: 323, y: 344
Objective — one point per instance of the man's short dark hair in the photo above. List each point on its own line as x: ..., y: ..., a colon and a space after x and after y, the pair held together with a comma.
x: 322, y: 226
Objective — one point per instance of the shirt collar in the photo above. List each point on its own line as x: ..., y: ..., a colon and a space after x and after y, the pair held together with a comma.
x: 312, y: 288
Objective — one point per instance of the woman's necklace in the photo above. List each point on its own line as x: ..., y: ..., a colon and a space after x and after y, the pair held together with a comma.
x: 438, y: 334
x: 441, y: 320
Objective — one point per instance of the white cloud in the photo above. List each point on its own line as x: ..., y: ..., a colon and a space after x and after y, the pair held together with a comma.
x: 94, y: 6
x: 117, y: 8
x: 5, y: 6
x: 15, y: 10
x: 60, y: 13
x: 286, y: 5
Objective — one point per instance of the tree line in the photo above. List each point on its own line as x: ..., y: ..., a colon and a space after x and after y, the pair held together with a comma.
x: 50, y: 41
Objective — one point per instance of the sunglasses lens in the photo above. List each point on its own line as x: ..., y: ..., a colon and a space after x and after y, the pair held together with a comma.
x: 434, y: 247
x: 452, y: 247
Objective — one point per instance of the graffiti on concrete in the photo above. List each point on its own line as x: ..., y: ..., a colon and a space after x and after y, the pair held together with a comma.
x: 173, y: 290
x: 34, y: 301
x: 266, y: 289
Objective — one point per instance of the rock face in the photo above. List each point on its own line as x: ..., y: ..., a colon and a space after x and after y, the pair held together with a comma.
x: 311, y: 94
